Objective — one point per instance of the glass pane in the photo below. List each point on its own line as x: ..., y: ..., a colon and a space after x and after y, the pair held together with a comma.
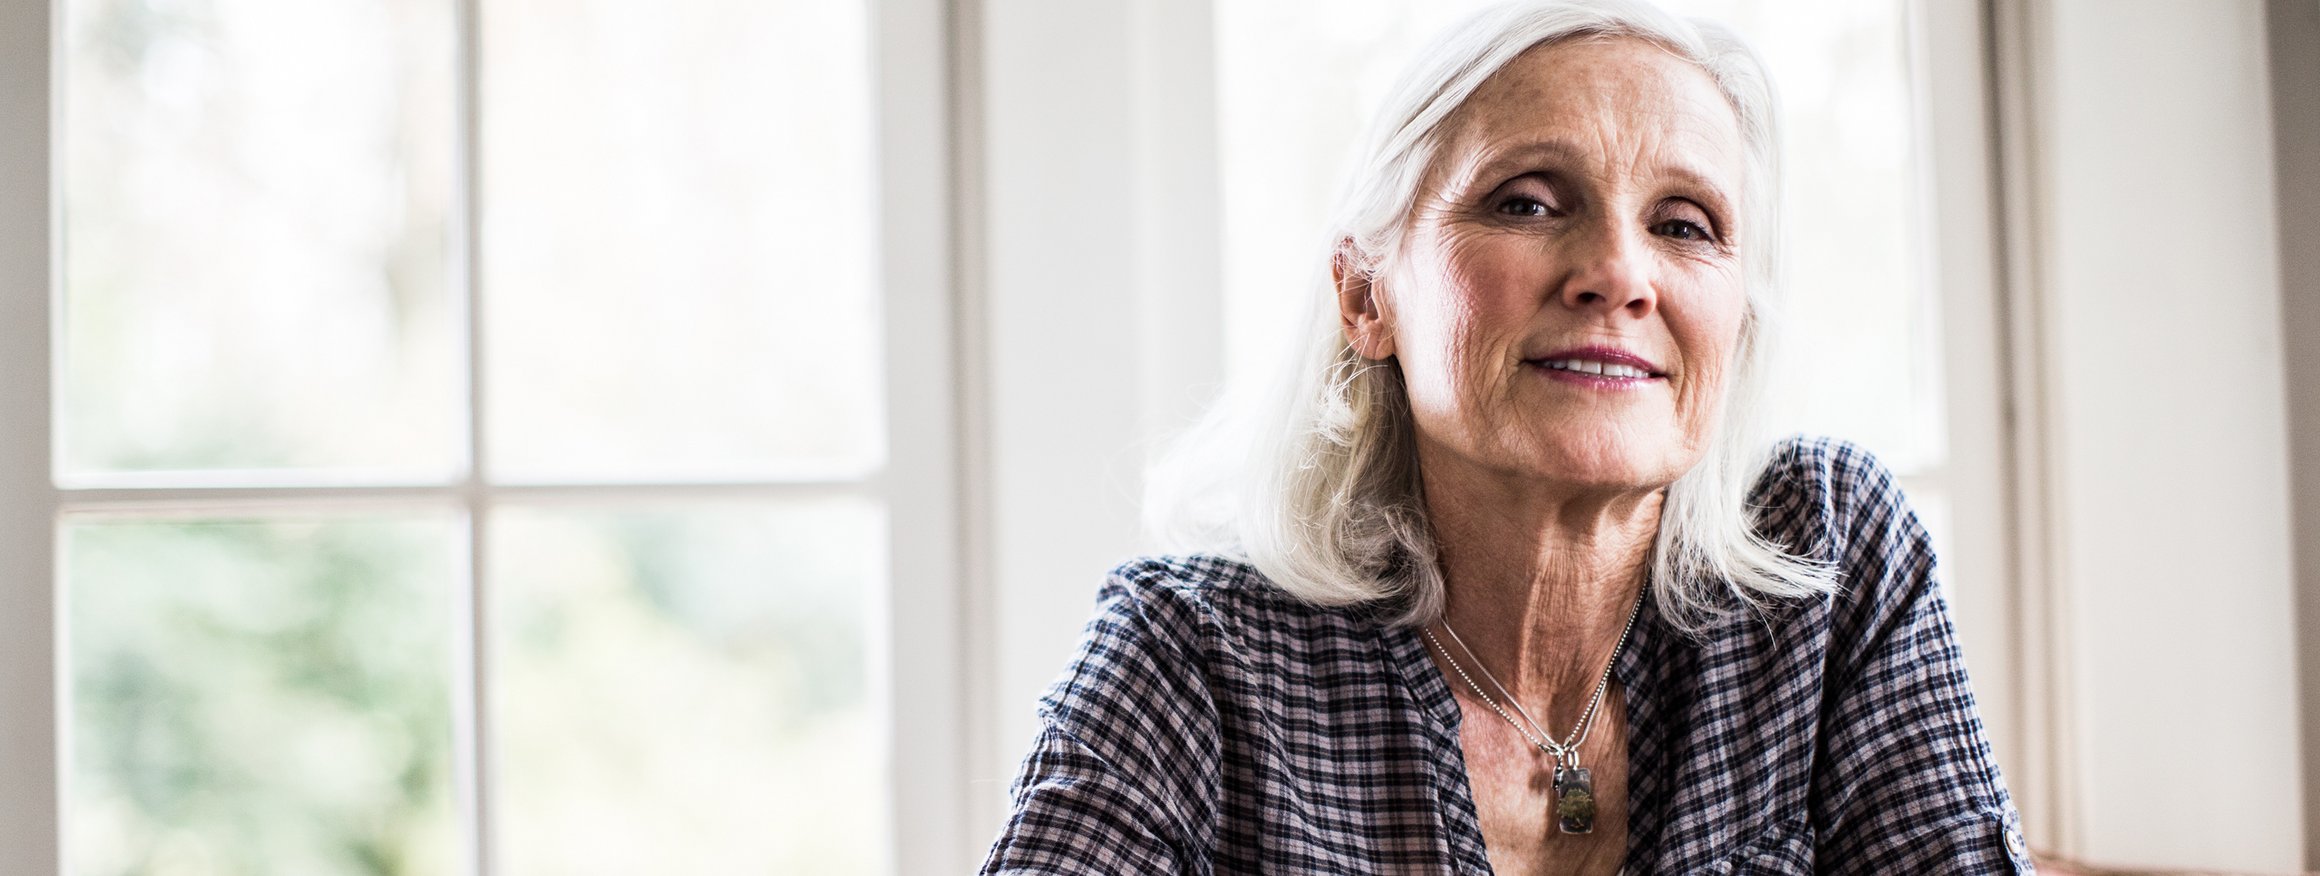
x: 678, y: 238
x: 260, y: 697
x: 1296, y: 83
x: 683, y: 691
x: 255, y: 204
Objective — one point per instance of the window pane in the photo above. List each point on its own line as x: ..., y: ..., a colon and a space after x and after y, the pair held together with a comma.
x: 677, y: 238
x: 255, y: 196
x: 260, y: 697
x: 683, y: 691
x: 1297, y: 82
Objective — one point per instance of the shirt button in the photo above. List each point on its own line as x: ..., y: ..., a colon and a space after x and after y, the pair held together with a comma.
x: 2015, y: 844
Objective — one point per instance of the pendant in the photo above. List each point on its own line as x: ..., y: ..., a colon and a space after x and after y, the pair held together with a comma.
x: 1574, y: 800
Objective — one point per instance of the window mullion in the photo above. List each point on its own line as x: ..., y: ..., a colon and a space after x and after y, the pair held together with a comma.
x: 471, y: 654
x: 170, y: 500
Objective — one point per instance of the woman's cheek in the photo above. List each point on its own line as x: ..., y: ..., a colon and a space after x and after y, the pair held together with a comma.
x: 1707, y: 409
x: 1704, y: 397
x: 1442, y: 331
x: 1435, y: 362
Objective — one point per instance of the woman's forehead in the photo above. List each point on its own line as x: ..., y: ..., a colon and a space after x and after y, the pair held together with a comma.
x: 1617, y: 102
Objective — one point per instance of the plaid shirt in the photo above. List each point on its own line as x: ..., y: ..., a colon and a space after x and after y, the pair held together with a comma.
x: 1213, y: 724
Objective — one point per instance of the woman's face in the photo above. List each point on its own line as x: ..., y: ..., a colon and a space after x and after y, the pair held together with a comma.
x: 1568, y: 298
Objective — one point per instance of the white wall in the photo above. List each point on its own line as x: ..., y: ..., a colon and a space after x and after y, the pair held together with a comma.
x: 2167, y: 432
x: 1057, y: 340
x: 1096, y: 316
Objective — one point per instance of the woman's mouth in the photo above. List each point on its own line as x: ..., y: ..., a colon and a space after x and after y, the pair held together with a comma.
x: 1595, y: 369
x: 1601, y: 367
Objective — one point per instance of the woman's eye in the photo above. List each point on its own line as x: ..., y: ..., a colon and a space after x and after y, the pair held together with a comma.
x: 1681, y: 229
x: 1521, y: 206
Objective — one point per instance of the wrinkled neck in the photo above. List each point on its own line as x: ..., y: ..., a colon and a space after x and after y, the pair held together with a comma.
x: 1541, y: 582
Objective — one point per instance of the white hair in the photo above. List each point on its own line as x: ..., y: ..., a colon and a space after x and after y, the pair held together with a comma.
x: 1313, y: 479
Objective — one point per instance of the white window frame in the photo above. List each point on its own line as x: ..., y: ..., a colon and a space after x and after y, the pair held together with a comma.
x: 914, y: 631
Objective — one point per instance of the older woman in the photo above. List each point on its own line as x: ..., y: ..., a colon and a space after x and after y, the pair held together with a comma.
x: 1500, y: 579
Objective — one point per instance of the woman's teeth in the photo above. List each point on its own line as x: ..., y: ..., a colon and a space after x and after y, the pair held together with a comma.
x: 1604, y: 369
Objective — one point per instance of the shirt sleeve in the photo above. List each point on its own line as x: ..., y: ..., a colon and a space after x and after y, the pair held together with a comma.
x: 1906, y: 780
x: 1127, y: 750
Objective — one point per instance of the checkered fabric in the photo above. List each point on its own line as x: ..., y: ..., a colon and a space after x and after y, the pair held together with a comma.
x: 1212, y: 724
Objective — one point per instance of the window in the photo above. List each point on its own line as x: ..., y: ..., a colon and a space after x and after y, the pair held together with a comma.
x: 494, y: 435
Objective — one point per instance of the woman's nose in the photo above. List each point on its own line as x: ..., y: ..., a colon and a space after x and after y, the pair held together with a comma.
x: 1612, y: 271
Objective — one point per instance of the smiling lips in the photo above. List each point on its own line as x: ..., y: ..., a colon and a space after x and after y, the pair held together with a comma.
x: 1598, y: 366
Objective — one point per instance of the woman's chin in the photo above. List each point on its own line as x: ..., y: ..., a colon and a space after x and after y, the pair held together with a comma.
x: 1597, y: 467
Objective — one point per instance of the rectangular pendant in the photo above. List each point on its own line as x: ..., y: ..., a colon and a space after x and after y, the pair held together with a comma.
x: 1574, y: 800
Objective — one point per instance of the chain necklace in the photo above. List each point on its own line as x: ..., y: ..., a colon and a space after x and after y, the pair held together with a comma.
x: 1574, y: 784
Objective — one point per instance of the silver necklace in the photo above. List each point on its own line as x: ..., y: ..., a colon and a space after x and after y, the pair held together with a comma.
x: 1574, y: 784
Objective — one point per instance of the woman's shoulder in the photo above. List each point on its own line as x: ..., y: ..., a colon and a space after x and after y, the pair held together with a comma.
x: 1211, y: 628
x: 1824, y: 496
x: 1824, y: 468
x: 1833, y: 501
x: 1199, y: 576
x: 1211, y: 595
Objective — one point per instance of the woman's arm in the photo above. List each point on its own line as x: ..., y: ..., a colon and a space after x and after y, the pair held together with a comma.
x: 1126, y: 753
x: 1905, y: 781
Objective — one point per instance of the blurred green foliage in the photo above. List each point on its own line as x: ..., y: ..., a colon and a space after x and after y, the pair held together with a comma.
x: 261, y: 697
x: 673, y: 691
x: 684, y: 690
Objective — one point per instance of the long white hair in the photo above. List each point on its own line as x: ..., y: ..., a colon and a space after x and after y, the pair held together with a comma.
x: 1313, y: 478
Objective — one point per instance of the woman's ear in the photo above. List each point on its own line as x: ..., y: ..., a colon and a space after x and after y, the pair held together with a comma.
x: 1361, y: 306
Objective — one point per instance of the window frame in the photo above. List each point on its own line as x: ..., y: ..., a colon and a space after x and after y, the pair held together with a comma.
x: 912, y: 624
